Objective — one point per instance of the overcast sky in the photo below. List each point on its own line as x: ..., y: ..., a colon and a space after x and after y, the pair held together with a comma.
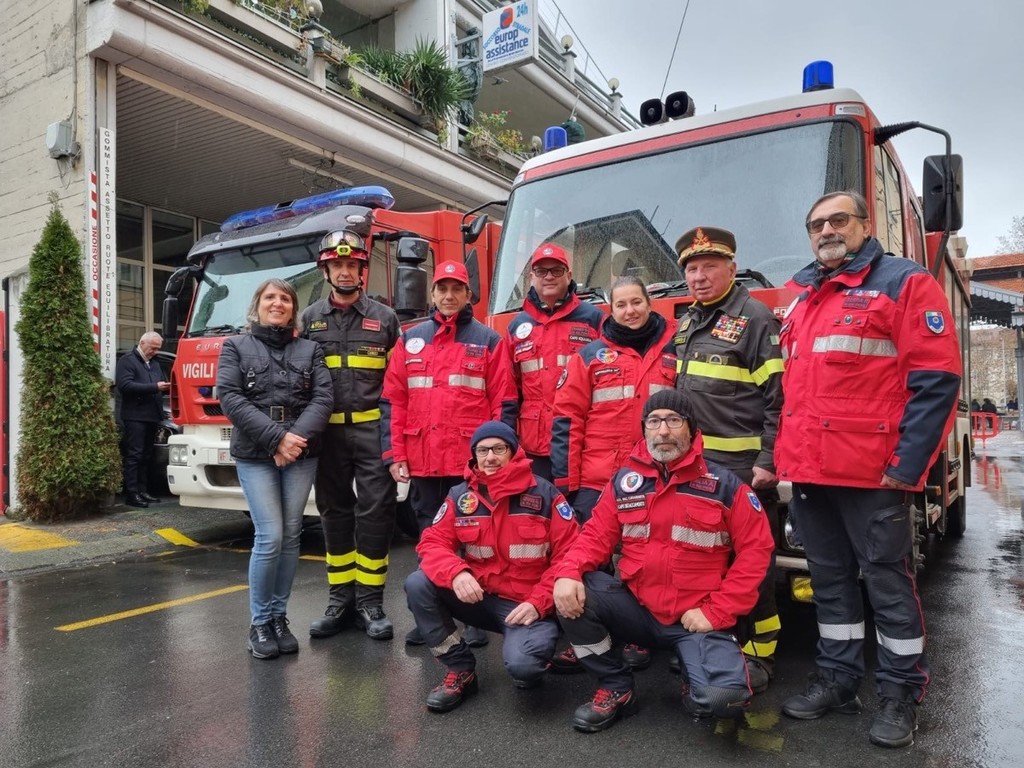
x: 954, y: 64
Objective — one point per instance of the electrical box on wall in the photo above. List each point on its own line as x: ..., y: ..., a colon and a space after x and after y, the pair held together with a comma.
x: 59, y: 142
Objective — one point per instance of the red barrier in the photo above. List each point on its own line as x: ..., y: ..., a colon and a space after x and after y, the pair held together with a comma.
x: 984, y: 425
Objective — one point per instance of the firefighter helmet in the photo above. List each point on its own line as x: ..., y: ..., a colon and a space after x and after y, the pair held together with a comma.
x: 342, y: 244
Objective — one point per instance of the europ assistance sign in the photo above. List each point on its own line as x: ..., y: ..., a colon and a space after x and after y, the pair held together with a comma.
x: 510, y: 36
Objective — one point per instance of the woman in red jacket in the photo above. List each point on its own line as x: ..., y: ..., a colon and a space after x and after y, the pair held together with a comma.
x: 602, y: 392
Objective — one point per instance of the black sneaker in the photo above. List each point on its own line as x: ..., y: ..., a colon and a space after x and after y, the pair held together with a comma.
x: 895, y: 723
x: 821, y: 696
x: 262, y: 642
x: 286, y: 641
x: 603, y: 710
x: 675, y: 666
x: 565, y: 663
x: 413, y: 637
x: 335, y: 619
x: 528, y: 683
x: 636, y: 656
x: 475, y: 637
x: 455, y: 687
x: 377, y: 625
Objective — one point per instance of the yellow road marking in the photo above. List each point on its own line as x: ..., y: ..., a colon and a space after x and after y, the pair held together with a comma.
x: 17, y: 538
x: 175, y: 537
x: 149, y: 609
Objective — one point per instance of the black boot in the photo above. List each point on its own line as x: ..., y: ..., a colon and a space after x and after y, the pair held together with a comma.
x: 455, y: 687
x: 335, y: 619
x: 376, y: 624
x: 603, y: 710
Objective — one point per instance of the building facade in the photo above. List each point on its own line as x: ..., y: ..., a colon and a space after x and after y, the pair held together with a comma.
x: 154, y: 121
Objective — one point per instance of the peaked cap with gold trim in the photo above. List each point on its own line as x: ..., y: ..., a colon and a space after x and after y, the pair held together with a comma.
x: 706, y: 240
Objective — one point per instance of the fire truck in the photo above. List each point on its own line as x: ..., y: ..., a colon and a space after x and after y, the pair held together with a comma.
x: 618, y: 203
x: 223, y: 271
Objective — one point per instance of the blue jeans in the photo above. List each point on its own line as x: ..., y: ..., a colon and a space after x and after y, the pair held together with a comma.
x: 277, y: 498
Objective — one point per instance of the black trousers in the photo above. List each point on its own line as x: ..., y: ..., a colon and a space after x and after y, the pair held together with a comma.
x: 137, y: 454
x: 427, y: 494
x: 358, y: 524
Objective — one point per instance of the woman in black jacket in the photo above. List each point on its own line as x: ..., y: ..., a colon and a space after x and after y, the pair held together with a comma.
x: 276, y: 391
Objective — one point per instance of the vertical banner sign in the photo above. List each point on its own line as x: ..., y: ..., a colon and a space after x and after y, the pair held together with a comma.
x: 108, y: 252
x: 94, y: 260
x: 510, y: 36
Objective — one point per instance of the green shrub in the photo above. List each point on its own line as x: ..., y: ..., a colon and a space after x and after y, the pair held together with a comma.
x: 68, y: 459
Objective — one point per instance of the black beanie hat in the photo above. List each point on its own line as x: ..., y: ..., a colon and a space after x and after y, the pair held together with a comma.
x: 673, y: 400
x: 496, y: 429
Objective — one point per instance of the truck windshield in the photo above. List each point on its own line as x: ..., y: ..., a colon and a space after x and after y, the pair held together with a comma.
x: 231, y: 278
x: 624, y: 218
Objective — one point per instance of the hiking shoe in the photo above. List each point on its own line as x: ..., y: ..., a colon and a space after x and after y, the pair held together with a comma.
x: 262, y: 642
x: 335, y: 619
x: 455, y: 687
x: 603, y: 710
x: 758, y: 675
x: 895, y: 723
x: 821, y: 696
x: 413, y: 637
x: 636, y: 656
x: 286, y: 641
x: 565, y: 663
x: 475, y: 637
x: 373, y: 620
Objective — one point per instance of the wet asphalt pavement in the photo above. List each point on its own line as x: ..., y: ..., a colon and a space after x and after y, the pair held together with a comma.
x: 143, y: 662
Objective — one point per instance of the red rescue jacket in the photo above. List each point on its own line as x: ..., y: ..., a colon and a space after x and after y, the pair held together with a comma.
x: 872, y: 373
x: 698, y: 539
x: 505, y: 529
x: 598, y: 406
x: 446, y: 377
x: 542, y: 340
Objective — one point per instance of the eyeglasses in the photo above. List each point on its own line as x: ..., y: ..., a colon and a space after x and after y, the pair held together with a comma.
x: 654, y: 422
x: 837, y: 220
x: 498, y: 450
x: 553, y: 271
x: 342, y: 242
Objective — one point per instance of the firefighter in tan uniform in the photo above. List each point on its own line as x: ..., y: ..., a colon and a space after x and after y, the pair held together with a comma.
x: 730, y: 366
x: 356, y: 334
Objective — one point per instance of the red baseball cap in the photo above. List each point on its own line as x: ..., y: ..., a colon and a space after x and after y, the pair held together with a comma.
x: 553, y: 252
x: 451, y: 270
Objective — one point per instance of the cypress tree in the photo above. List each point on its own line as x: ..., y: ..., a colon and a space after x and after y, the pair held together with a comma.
x: 68, y: 459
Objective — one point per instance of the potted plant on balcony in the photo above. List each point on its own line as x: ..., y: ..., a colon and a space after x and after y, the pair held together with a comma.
x: 489, y: 137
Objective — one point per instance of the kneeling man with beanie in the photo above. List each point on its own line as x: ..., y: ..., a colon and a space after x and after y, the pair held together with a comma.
x: 695, y: 547
x: 486, y: 561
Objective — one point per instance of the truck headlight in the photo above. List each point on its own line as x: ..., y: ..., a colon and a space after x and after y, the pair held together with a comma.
x: 792, y: 537
x: 178, y: 455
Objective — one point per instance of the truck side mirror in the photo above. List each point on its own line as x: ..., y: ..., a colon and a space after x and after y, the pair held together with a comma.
x: 172, y: 292
x: 938, y: 175
x: 473, y: 268
x: 410, y: 299
x: 471, y: 232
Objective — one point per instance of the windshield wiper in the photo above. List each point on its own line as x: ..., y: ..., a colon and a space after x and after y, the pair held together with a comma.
x: 593, y: 295
x: 757, y: 277
x: 661, y: 290
x: 217, y: 330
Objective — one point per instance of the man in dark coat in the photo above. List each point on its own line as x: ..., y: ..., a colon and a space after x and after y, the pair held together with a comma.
x: 140, y: 381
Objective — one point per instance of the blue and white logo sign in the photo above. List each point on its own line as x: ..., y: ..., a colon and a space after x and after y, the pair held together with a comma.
x: 510, y: 35
x: 564, y: 510
x: 935, y: 321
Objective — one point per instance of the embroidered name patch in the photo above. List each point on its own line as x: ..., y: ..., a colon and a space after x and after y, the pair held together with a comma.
x: 707, y: 483
x: 530, y: 501
x: 317, y: 325
x: 475, y: 350
x: 625, y: 503
x: 606, y: 371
